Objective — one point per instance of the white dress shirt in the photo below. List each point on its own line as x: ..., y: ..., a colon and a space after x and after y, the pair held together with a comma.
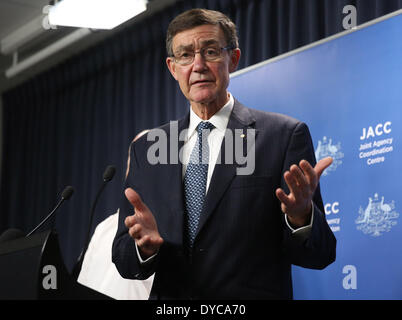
x: 220, y: 121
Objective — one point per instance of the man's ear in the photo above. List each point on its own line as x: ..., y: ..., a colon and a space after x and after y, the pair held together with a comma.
x: 171, y: 66
x: 234, y: 60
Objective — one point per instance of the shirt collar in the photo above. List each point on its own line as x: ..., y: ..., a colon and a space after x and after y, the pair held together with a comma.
x: 219, y: 120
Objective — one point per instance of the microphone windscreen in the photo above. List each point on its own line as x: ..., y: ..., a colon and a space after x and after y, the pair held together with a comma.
x: 11, y: 234
x: 67, y: 192
x: 109, y: 173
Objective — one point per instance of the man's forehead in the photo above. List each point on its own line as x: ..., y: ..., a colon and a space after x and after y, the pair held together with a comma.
x: 200, y: 36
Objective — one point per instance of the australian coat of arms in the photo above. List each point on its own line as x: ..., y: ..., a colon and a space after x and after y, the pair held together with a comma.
x: 378, y: 217
x: 326, y: 148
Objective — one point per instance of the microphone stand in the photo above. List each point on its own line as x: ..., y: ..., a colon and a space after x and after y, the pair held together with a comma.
x: 67, y: 193
x: 47, y: 218
x: 107, y: 176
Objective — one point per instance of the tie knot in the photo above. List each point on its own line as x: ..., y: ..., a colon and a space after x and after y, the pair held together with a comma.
x: 204, y: 125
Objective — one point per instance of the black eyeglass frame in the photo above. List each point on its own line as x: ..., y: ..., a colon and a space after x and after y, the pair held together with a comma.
x: 175, y: 59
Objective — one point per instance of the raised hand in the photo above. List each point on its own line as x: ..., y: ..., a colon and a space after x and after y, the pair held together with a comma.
x: 142, y: 226
x: 302, y: 181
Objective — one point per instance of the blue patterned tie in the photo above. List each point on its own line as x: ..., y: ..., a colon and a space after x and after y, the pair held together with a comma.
x: 195, y: 181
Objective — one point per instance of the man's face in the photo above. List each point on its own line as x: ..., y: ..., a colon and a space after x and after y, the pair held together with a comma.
x: 203, y: 81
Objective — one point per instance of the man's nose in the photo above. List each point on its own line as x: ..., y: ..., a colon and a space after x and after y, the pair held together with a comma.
x: 199, y: 63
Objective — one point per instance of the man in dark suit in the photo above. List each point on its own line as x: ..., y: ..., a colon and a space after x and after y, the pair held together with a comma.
x: 205, y: 228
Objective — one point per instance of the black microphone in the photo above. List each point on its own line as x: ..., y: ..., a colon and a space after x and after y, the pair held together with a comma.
x: 66, y: 194
x: 107, y: 176
x: 109, y: 173
x: 11, y: 234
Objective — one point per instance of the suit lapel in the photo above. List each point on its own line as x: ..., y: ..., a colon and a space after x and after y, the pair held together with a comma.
x: 240, y: 120
x: 174, y: 182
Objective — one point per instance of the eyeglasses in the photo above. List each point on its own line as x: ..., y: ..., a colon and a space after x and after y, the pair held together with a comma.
x: 210, y: 54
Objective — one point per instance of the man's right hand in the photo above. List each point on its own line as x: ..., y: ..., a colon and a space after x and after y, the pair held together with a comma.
x: 142, y: 226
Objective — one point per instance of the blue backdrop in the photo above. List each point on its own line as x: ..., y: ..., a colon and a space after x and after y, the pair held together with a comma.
x: 349, y: 91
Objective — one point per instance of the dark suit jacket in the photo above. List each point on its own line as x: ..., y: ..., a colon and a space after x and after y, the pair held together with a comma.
x: 243, y: 248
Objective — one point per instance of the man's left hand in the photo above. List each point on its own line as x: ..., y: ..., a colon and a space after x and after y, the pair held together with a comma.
x: 302, y: 181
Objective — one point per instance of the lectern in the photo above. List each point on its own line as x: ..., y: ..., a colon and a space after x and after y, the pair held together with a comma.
x: 32, y: 268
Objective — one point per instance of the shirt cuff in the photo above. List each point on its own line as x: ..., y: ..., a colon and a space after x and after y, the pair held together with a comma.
x: 146, y: 260
x: 304, y: 227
